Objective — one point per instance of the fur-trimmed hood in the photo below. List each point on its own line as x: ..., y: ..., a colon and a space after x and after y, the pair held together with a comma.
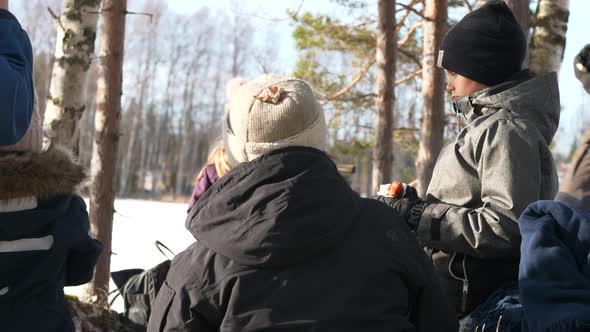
x: 46, y: 174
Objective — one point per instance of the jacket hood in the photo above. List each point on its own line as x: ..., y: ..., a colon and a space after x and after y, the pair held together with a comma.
x: 555, y: 266
x: 37, y: 184
x: 49, y: 173
x: 276, y: 210
x: 535, y: 99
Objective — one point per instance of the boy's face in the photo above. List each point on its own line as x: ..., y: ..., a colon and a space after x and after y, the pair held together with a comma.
x: 460, y: 86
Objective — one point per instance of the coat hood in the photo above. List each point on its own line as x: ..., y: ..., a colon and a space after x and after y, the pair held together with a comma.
x: 535, y: 99
x: 49, y: 173
x: 555, y: 266
x: 276, y: 210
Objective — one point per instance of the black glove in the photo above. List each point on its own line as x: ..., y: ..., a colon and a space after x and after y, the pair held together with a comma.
x: 410, y: 206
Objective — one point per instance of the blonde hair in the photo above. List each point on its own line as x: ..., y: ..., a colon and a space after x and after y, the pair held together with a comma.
x: 216, y: 157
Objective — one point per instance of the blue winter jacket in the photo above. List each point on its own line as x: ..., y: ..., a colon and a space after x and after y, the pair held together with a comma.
x: 44, y: 240
x: 16, y: 81
x: 554, y: 275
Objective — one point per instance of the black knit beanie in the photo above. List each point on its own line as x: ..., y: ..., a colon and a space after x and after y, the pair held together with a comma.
x: 487, y: 45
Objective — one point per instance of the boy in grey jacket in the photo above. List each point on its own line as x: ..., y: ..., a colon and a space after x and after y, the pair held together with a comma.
x: 499, y: 163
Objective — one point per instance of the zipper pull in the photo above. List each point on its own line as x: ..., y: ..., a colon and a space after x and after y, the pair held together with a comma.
x: 464, y: 298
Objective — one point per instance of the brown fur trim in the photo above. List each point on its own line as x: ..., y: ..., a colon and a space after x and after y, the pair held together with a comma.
x: 45, y: 174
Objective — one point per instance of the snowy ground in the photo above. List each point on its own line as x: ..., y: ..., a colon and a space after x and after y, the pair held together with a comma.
x: 137, y: 225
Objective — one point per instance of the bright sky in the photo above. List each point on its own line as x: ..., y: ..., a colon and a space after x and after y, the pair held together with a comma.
x: 574, y: 100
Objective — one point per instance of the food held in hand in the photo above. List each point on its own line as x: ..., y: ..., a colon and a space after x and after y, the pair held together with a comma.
x: 396, y: 189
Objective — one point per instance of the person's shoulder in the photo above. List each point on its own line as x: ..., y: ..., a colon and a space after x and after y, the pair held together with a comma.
x: 202, y: 269
x: 7, y: 16
x: 382, y: 218
x: 64, y: 202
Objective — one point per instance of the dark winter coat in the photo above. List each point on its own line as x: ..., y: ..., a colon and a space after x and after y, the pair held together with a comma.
x: 208, y: 178
x: 284, y: 244
x: 44, y: 240
x: 499, y: 164
x: 16, y: 80
x: 554, y: 277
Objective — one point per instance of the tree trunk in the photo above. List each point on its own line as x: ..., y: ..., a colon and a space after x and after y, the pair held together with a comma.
x: 548, y: 40
x: 520, y: 9
x: 126, y: 168
x: 522, y: 12
x: 185, y: 139
x: 74, y: 50
x: 433, y: 109
x: 102, y: 194
x: 384, y: 88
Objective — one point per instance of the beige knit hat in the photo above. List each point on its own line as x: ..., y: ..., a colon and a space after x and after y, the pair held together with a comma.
x: 272, y: 112
x: 32, y: 141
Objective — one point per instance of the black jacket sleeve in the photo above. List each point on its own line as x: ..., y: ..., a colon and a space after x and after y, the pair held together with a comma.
x: 180, y: 306
x: 431, y: 309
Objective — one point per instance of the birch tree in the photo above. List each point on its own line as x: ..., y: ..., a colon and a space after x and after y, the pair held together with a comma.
x: 384, y: 88
x: 102, y: 194
x: 433, y: 108
x: 74, y: 49
x: 547, y: 43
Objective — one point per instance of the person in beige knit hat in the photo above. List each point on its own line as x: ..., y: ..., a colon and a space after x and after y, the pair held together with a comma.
x: 284, y: 243
x: 272, y: 112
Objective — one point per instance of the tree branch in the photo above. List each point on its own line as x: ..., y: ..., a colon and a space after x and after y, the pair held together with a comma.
x: 411, y: 56
x: 56, y: 18
x: 352, y: 83
x: 409, y: 9
x: 408, y: 77
x: 409, y: 34
x: 138, y: 13
x: 467, y: 6
x: 279, y: 19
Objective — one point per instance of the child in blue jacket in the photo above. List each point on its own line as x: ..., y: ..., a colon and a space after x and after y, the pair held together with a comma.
x: 44, y: 228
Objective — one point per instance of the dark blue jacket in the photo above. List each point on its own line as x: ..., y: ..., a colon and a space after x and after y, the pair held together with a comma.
x: 16, y: 81
x: 44, y: 240
x: 555, y: 267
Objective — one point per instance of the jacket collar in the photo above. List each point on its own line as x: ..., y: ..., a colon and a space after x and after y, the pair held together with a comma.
x: 471, y: 108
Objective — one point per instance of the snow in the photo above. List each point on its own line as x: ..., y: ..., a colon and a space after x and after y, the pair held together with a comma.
x: 137, y: 224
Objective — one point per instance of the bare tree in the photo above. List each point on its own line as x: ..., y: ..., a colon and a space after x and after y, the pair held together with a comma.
x: 128, y: 155
x: 102, y: 194
x: 87, y: 121
x: 433, y: 117
x: 384, y: 88
x: 41, y: 28
x: 74, y: 49
x: 146, y: 46
x: 548, y: 40
x: 241, y: 31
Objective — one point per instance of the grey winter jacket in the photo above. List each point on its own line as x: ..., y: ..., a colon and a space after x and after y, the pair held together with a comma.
x: 499, y: 163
